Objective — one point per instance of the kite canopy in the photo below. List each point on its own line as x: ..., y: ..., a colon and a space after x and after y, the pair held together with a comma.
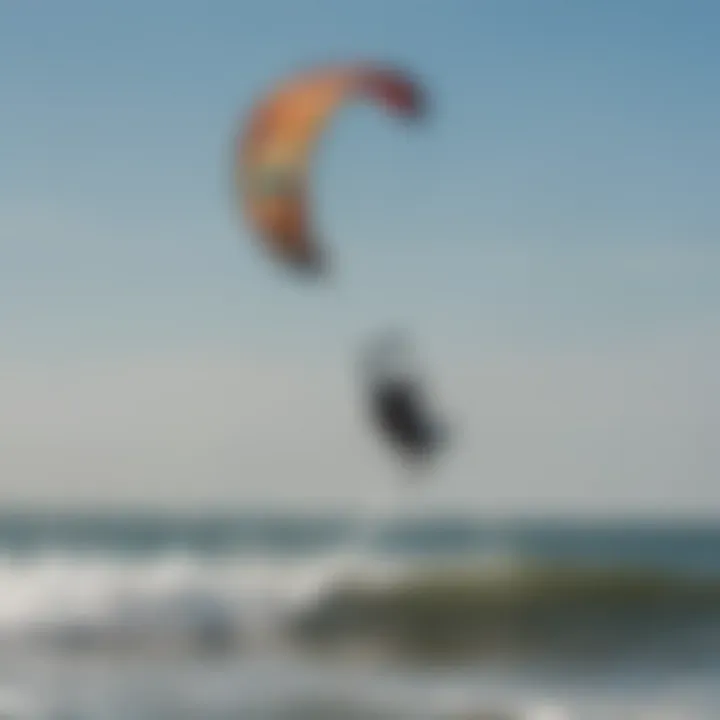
x: 277, y: 143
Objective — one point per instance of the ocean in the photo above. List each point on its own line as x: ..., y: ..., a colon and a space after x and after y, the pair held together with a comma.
x: 266, y: 616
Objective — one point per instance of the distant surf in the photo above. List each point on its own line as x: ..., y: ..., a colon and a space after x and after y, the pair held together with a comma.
x: 415, y: 607
x: 124, y: 612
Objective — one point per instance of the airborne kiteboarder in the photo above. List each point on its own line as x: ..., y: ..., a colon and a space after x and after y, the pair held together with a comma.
x: 397, y: 405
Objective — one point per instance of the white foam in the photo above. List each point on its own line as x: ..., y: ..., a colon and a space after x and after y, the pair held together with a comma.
x: 175, y: 592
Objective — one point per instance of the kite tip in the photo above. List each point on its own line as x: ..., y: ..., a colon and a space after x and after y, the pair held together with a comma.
x: 312, y: 264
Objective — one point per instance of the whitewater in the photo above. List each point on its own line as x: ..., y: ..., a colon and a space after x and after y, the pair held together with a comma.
x: 155, y: 617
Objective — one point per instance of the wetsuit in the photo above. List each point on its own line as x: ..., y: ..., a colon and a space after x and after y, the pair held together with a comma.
x: 398, y: 412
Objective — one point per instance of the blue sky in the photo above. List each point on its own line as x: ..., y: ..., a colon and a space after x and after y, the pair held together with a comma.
x: 560, y: 199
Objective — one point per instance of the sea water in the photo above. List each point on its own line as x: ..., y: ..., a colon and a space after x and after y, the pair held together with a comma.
x: 156, y: 616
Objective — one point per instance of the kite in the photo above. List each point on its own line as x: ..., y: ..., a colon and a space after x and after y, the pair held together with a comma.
x: 277, y: 143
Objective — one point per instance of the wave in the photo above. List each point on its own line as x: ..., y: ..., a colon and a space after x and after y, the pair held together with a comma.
x: 689, y: 546
x: 490, y: 606
x: 78, y: 599
x: 526, y: 611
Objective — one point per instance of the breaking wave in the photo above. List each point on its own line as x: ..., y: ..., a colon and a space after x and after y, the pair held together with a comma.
x: 491, y: 604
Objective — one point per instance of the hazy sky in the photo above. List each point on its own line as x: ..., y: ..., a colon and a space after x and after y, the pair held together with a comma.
x: 550, y: 234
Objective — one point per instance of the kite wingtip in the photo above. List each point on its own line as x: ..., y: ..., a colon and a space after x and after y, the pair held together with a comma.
x: 312, y: 265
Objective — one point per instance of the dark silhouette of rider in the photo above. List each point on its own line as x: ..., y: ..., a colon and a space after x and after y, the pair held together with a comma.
x: 397, y: 406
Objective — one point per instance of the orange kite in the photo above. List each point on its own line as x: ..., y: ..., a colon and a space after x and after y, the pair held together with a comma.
x: 277, y: 144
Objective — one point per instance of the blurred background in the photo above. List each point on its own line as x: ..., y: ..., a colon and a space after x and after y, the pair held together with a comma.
x: 197, y: 519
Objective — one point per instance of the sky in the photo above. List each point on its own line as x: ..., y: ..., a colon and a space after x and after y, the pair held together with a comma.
x: 549, y: 235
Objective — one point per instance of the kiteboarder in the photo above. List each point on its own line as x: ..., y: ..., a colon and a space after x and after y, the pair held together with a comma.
x: 396, y: 403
